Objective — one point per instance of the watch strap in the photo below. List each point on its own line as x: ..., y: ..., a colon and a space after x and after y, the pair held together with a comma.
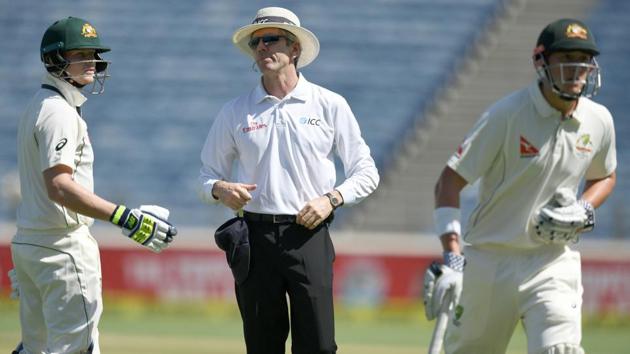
x: 333, y: 200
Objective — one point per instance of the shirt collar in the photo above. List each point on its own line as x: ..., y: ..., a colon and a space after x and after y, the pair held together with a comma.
x: 72, y: 94
x: 300, y: 92
x: 545, y: 109
x: 540, y: 102
x: 579, y: 112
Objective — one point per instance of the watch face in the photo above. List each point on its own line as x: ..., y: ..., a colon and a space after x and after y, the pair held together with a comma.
x: 333, y: 200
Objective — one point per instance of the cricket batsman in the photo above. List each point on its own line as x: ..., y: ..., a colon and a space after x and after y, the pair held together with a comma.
x: 57, y: 266
x: 530, y: 151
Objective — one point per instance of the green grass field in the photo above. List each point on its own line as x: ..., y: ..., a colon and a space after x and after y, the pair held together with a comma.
x: 127, y: 327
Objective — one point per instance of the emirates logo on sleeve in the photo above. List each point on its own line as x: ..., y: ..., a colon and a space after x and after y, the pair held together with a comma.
x: 462, y: 148
x: 527, y: 149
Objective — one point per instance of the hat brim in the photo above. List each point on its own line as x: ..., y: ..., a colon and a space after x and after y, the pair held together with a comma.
x: 308, y: 41
x: 573, y: 45
x: 100, y: 49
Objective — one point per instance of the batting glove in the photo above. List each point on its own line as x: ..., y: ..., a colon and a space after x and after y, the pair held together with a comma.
x: 439, y: 279
x: 563, y: 219
x: 15, y: 289
x: 147, y: 225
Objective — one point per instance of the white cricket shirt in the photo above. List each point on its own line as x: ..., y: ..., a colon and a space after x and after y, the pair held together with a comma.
x: 50, y: 133
x: 286, y: 147
x: 522, y: 152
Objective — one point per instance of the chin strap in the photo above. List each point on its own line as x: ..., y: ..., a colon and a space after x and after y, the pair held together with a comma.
x: 563, y: 95
x: 74, y: 83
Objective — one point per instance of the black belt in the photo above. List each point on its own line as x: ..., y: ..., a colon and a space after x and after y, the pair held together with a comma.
x: 270, y: 218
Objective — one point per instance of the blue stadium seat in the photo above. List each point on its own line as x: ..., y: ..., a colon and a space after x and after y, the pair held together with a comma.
x: 173, y: 66
x: 609, y: 23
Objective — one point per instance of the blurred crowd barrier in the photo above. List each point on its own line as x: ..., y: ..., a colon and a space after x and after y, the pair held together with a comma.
x: 371, y: 270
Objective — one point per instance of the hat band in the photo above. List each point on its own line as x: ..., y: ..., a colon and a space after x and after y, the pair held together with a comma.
x: 273, y: 19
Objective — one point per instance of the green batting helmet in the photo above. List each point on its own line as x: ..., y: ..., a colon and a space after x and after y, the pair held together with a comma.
x: 568, y: 35
x: 565, y: 35
x: 71, y: 33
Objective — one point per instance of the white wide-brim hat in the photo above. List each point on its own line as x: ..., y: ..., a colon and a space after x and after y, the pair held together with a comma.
x: 278, y: 17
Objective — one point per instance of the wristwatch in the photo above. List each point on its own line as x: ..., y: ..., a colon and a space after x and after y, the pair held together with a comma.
x: 334, y: 201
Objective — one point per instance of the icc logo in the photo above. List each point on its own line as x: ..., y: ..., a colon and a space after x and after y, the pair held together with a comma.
x: 310, y: 121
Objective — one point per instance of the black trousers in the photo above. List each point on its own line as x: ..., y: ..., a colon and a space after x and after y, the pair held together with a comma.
x: 288, y: 259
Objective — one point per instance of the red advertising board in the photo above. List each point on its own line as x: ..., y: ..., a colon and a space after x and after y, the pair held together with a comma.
x: 360, y: 279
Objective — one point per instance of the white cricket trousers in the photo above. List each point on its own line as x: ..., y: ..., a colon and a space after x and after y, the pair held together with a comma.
x: 59, y: 276
x: 542, y: 288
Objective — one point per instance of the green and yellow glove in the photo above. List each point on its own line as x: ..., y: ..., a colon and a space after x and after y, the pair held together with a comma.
x: 147, y: 225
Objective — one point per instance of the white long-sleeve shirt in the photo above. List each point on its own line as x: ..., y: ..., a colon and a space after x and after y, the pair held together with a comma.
x: 286, y: 147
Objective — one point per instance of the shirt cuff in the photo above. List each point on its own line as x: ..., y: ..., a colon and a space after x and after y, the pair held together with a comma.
x: 205, y: 192
x: 349, y: 198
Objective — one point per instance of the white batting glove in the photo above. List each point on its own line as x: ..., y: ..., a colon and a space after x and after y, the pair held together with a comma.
x: 563, y: 219
x: 439, y: 279
x: 15, y: 289
x: 147, y: 225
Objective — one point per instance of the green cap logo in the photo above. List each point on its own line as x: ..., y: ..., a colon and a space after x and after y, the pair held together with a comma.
x: 88, y: 31
x: 574, y: 30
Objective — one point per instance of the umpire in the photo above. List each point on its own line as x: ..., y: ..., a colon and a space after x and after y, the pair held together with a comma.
x: 282, y: 137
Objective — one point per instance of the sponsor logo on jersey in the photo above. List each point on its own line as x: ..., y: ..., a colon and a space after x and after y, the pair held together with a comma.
x: 88, y: 31
x: 527, y: 149
x: 584, y: 143
x: 251, y: 126
x: 310, y: 121
x: 61, y: 144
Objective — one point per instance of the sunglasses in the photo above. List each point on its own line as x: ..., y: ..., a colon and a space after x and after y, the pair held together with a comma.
x: 267, y: 40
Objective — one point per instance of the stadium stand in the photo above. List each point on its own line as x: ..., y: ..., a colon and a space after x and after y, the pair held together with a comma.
x: 500, y: 63
x: 610, y: 21
x: 173, y: 66
x: 417, y: 74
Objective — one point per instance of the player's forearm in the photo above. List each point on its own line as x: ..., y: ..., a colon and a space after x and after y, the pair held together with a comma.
x: 447, y: 192
x: 447, y: 189
x: 64, y: 191
x: 596, y: 191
